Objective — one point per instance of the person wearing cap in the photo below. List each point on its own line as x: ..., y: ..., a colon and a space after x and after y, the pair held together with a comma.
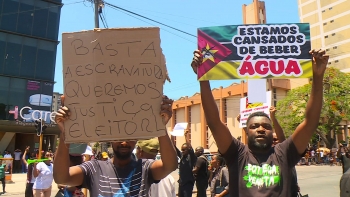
x: 87, y: 155
x: 148, y: 149
x: 122, y: 175
x: 104, y: 156
x: 43, y: 172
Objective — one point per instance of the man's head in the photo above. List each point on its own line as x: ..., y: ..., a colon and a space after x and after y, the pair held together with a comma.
x: 123, y: 150
x: 184, y: 149
x: 32, y: 155
x: 259, y: 131
x: 48, y: 158
x: 275, y: 139
x: 199, y: 151
x: 147, y: 149
x: 104, y: 156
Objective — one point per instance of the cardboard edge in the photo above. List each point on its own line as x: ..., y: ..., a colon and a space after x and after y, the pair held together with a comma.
x: 111, y: 29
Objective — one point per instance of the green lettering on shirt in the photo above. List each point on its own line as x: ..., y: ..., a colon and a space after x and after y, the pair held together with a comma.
x: 261, y: 176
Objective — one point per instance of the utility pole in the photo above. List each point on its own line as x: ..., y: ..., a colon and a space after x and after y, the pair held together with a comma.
x: 97, y: 5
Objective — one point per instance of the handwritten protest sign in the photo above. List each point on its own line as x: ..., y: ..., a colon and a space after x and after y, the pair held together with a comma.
x: 255, y: 51
x: 113, y: 84
x: 248, y: 108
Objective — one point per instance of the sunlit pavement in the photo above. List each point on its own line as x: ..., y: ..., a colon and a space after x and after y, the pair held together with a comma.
x: 316, y: 181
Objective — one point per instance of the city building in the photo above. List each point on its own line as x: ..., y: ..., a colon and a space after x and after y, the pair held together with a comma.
x: 56, y: 101
x: 330, y: 28
x: 254, y: 13
x: 28, y: 44
x: 189, y: 109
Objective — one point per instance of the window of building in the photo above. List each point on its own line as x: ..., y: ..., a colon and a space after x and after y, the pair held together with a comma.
x: 225, y: 110
x: 324, y: 23
x: 175, y: 121
x: 323, y: 10
x: 13, y: 55
x: 53, y: 23
x: 332, y: 21
x: 25, y: 17
x: 336, y: 61
x: 9, y: 15
x: 274, y: 90
x: 333, y: 34
x: 326, y: 37
x: 330, y: 8
x: 327, y: 49
x: 45, y: 60
x: 17, y: 93
x: 4, y: 90
x: 335, y: 47
x: 28, y: 59
x: 2, y: 51
x: 207, y: 137
x: 40, y: 19
x: 329, y: 62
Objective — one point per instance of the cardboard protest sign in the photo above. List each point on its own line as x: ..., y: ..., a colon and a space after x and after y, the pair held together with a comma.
x: 248, y: 108
x: 255, y: 51
x: 113, y: 84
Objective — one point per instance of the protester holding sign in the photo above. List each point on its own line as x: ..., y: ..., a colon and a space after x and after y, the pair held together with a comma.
x: 257, y: 169
x: 121, y: 176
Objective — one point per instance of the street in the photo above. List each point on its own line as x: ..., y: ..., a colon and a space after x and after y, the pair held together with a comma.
x: 313, y: 180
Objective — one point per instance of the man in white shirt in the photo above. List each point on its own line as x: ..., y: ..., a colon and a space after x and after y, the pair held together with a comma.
x: 17, y: 161
x: 8, y: 162
x: 43, y: 172
x: 148, y: 149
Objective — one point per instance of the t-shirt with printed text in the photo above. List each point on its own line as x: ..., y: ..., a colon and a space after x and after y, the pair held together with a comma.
x: 251, y: 177
x: 103, y: 179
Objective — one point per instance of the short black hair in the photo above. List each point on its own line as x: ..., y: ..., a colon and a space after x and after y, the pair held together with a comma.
x: 220, y: 159
x: 258, y: 113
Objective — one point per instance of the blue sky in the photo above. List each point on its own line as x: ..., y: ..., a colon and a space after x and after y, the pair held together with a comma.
x: 177, y: 47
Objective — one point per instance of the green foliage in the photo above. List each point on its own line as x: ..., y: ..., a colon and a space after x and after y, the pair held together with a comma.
x: 96, y: 145
x: 291, y: 109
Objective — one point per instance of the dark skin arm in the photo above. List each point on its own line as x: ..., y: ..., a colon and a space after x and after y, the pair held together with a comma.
x: 24, y: 155
x: 187, y: 138
x: 62, y: 172
x: 66, y: 175
x: 219, y: 130
x: 196, y: 167
x: 276, y: 126
x: 168, y: 163
x: 304, y: 131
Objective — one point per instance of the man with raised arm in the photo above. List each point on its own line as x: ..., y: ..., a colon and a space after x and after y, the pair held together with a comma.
x: 187, y: 161
x: 259, y: 169
x: 122, y: 176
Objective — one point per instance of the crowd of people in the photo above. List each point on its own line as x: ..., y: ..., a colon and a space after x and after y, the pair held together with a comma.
x: 264, y: 167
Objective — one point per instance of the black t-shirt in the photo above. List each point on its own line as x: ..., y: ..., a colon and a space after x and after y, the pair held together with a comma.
x: 202, y: 165
x: 346, y: 163
x: 270, y: 178
x: 294, y: 183
x: 186, y: 166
